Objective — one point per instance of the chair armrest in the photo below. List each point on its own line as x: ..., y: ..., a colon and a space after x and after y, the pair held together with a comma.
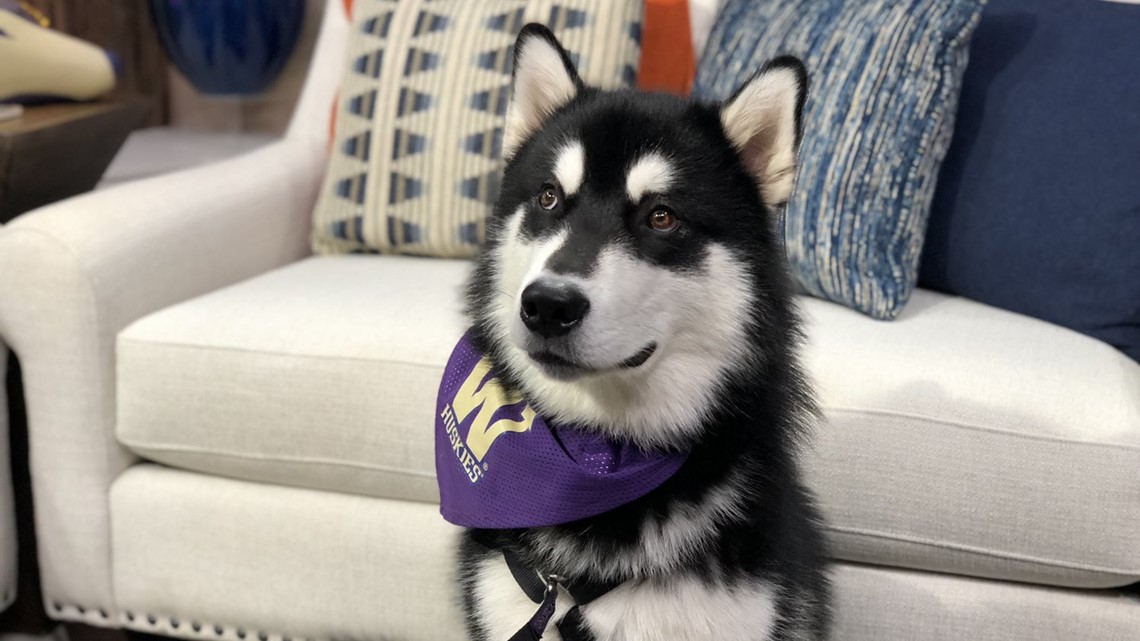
x: 73, y: 274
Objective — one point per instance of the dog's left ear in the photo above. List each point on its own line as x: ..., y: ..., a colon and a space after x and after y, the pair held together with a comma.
x: 544, y: 80
x: 763, y: 120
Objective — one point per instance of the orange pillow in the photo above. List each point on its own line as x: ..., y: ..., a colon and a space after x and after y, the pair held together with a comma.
x: 667, y: 59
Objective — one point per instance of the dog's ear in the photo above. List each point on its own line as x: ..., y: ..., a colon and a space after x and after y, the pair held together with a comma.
x: 763, y: 120
x: 544, y: 80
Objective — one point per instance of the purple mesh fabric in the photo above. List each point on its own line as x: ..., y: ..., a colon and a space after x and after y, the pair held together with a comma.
x: 499, y: 465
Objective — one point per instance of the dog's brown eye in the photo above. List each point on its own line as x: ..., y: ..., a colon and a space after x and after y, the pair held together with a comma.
x: 663, y: 220
x: 548, y: 197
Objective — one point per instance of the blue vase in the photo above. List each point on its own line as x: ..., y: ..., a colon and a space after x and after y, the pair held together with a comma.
x: 229, y: 47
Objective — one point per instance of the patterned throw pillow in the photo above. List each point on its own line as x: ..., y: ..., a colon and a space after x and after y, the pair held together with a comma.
x: 885, y: 77
x: 419, y: 128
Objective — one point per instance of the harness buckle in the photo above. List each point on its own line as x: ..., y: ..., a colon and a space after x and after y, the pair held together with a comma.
x: 551, y: 581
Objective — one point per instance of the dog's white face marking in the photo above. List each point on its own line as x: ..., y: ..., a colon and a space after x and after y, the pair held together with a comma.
x: 698, y: 319
x: 570, y: 168
x: 651, y: 174
x: 539, y: 252
x: 684, y: 609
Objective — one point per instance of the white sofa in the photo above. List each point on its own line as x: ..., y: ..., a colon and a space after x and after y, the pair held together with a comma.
x: 232, y: 439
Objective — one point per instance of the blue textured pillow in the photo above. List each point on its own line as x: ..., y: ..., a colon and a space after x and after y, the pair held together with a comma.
x: 885, y: 76
x: 1038, y: 206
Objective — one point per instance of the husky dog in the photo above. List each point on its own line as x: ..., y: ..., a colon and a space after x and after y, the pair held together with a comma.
x: 633, y: 284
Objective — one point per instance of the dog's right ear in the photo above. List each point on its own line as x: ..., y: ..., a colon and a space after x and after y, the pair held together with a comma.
x: 764, y: 122
x: 544, y: 80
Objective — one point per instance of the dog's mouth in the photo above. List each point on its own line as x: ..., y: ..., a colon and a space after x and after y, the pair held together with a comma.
x: 638, y: 359
x: 561, y: 367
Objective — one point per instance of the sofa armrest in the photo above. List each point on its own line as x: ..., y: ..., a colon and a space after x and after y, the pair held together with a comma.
x: 73, y: 274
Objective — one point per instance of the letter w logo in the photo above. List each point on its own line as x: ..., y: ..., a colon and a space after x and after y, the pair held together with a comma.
x: 489, y: 398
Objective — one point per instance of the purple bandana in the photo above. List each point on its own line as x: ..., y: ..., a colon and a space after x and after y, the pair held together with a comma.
x: 500, y: 465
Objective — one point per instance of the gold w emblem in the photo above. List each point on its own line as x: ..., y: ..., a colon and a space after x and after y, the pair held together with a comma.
x: 488, y: 399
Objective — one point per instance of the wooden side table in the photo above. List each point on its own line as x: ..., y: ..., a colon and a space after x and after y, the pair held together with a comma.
x: 55, y: 151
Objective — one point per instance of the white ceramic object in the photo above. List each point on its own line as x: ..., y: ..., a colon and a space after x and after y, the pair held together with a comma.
x: 39, y: 62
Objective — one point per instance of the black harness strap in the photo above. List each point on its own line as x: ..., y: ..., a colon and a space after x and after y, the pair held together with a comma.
x: 530, y: 581
x: 534, y: 628
x: 543, y: 590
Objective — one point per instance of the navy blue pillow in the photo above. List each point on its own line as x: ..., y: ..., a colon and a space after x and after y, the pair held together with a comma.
x: 1037, y: 208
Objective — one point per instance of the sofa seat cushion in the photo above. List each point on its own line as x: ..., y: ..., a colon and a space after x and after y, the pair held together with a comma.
x: 322, y: 374
x: 958, y: 438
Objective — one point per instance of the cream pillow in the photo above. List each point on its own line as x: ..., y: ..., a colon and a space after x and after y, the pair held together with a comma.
x: 417, y: 158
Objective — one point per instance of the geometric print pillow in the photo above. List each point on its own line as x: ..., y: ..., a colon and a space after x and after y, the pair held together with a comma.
x: 885, y: 76
x: 417, y: 155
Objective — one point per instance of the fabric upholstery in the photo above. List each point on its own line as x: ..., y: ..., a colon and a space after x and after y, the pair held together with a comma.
x: 280, y: 562
x: 702, y: 15
x: 884, y: 82
x: 417, y: 158
x: 75, y: 273
x: 959, y: 438
x: 310, y: 119
x: 322, y: 374
x: 161, y: 150
x: 340, y: 566
x: 8, y: 549
x: 1038, y: 206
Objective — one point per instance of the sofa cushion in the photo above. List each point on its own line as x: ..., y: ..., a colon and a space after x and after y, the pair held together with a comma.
x: 967, y: 439
x: 322, y: 374
x: 959, y: 438
x: 377, y: 573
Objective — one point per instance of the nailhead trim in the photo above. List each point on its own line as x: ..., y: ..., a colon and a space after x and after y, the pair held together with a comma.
x: 83, y: 612
x: 154, y: 620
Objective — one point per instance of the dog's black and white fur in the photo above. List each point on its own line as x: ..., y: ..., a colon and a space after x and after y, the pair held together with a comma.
x: 657, y: 212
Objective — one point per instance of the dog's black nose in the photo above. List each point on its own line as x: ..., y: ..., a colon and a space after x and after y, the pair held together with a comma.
x: 553, y: 307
